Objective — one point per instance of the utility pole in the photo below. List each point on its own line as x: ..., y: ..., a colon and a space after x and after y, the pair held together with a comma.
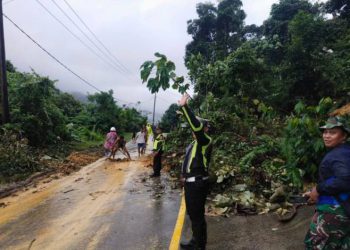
x: 154, y: 107
x: 3, y: 79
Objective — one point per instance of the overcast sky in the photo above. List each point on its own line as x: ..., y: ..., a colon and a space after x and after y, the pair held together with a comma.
x: 132, y: 31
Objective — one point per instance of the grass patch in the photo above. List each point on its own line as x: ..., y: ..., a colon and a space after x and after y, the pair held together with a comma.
x: 83, y: 145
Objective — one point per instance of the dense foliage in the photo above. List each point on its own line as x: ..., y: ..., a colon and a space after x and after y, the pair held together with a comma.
x: 16, y: 156
x: 170, y: 119
x: 45, y: 117
x: 267, y: 89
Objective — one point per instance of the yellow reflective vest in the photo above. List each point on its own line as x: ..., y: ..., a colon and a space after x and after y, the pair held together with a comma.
x: 198, y: 153
x: 158, y: 144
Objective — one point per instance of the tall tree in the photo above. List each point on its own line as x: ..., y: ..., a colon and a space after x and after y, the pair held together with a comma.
x: 203, y: 32
x: 229, y: 27
x: 104, y: 111
x: 306, y: 61
x: 132, y: 120
x: 170, y: 120
x: 217, y: 32
x: 280, y: 16
x: 68, y: 104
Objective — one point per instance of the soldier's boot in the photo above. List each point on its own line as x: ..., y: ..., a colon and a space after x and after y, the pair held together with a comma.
x: 191, y: 245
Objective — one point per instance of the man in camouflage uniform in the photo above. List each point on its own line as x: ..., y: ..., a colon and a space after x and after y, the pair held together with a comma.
x: 330, y: 226
x: 329, y: 229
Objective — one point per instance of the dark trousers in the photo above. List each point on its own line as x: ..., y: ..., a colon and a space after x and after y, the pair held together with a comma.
x: 195, y: 196
x: 157, y: 163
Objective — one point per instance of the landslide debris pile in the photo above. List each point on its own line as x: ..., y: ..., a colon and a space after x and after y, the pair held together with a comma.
x: 76, y: 160
x: 247, y: 176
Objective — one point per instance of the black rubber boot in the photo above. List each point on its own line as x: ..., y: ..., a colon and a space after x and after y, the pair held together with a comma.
x: 154, y: 175
x: 191, y: 245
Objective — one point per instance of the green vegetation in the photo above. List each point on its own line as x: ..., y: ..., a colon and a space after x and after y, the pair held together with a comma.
x: 267, y: 89
x: 45, y: 120
x: 165, y: 72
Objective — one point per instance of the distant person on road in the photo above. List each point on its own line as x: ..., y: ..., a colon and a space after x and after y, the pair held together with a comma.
x: 149, y: 131
x: 120, y: 144
x: 133, y: 138
x: 158, y: 148
x: 195, y: 176
x: 110, y: 140
x: 330, y: 225
x: 143, y: 150
x: 141, y: 141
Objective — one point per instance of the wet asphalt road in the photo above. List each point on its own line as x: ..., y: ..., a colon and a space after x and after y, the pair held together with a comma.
x: 106, y: 205
x: 115, y: 205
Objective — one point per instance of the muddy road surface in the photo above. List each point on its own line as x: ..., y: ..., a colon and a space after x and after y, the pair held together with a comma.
x: 106, y: 205
x: 115, y: 205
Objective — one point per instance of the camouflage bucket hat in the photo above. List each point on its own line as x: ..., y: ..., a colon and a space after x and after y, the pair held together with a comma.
x: 336, y: 121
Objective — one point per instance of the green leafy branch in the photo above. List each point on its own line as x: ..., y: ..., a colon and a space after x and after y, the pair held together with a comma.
x: 165, y: 73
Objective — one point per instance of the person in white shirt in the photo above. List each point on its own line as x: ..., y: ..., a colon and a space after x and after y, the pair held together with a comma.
x: 141, y: 141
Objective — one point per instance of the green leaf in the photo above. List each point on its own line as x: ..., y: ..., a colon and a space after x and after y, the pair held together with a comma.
x: 153, y: 85
x: 256, y: 101
x: 157, y: 54
x: 299, y: 107
x: 170, y: 66
x: 172, y: 75
x: 146, y: 70
x: 180, y: 79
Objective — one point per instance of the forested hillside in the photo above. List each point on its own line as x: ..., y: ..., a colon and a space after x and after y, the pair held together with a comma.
x: 267, y: 89
x: 45, y: 120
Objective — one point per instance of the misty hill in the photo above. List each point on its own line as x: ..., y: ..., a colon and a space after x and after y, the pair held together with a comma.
x: 80, y: 96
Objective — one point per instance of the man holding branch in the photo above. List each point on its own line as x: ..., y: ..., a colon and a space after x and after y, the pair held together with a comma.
x: 195, y: 176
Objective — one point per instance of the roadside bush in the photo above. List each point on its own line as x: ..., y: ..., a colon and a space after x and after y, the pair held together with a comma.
x: 302, y: 146
x: 238, y: 160
x: 81, y: 133
x: 16, y: 157
x: 32, y: 102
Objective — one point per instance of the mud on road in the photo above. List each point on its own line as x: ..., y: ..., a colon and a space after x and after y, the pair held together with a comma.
x: 102, y: 206
x: 115, y: 205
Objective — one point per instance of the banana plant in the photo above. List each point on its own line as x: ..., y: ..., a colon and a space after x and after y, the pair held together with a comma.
x: 163, y: 77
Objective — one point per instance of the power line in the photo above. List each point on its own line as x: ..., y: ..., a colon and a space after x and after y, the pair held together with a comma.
x: 96, y: 37
x: 93, y: 51
x: 52, y: 56
x: 84, y: 33
x: 58, y: 61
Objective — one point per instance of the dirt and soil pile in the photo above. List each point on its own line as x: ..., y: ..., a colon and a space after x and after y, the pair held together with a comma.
x: 76, y: 160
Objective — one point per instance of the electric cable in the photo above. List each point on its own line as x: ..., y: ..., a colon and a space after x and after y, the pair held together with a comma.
x: 95, y: 36
x: 61, y: 63
x: 52, y: 56
x: 89, y: 48
x: 87, y: 37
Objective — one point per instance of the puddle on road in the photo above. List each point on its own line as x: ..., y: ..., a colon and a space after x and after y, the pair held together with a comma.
x: 156, y: 188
